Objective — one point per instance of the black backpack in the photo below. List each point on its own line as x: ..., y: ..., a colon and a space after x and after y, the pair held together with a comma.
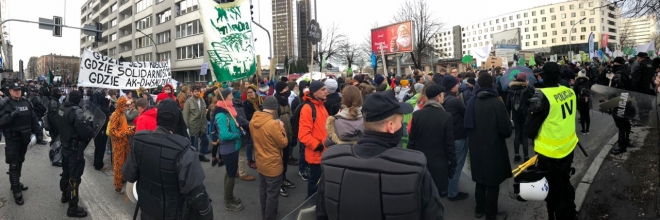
x: 585, y: 93
x: 295, y: 118
x: 516, y: 98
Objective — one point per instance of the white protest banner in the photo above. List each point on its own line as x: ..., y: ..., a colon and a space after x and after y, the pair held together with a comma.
x: 99, y: 71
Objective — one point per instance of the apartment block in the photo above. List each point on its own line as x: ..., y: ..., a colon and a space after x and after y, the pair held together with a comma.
x: 638, y: 30
x: 129, y: 26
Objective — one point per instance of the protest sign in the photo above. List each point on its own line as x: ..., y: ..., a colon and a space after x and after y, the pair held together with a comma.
x: 99, y: 71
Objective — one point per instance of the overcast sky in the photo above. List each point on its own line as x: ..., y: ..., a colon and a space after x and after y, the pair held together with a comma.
x: 354, y: 18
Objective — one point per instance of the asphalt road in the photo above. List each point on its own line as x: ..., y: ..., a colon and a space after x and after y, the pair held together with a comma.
x: 98, y: 196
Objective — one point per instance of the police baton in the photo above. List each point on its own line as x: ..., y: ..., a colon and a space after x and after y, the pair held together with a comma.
x: 582, y: 149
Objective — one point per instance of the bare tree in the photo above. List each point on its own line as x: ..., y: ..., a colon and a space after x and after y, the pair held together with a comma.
x: 631, y: 8
x: 330, y: 43
x: 426, y: 25
x: 349, y: 52
x: 625, y: 37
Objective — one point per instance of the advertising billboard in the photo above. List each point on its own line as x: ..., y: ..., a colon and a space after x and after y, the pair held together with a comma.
x: 509, y: 39
x: 394, y: 38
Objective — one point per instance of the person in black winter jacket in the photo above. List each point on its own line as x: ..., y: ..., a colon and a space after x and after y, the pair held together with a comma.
x: 582, y: 88
x: 333, y: 100
x: 621, y: 80
x: 517, y: 105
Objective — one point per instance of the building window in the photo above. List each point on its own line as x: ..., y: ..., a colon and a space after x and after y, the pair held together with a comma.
x: 519, y: 23
x: 525, y: 14
x: 612, y: 37
x: 518, y: 16
x: 611, y: 23
x: 583, y: 29
x: 582, y: 37
x: 534, y: 28
x: 113, y: 22
x: 144, y: 4
x: 527, y: 36
x: 492, y: 29
x: 574, y: 30
x: 593, y: 28
x: 143, y: 23
x: 582, y: 13
x: 552, y: 10
x: 591, y: 20
x: 143, y: 57
x: 552, y: 25
x: 112, y: 51
x: 543, y: 27
x: 497, y: 21
x: 163, y: 16
x: 142, y: 42
x: 526, y: 29
x: 563, y: 39
x: 113, y: 37
x: 554, y: 40
x: 186, y: 6
x: 572, y: 14
x: 535, y: 20
x: 499, y: 27
x: 611, y: 30
x: 163, y: 37
x: 114, y: 7
x: 511, y: 17
x: 533, y: 13
x: 591, y: 4
x: 571, y: 7
x: 542, y: 11
x: 527, y: 44
x: 536, y: 35
x: 513, y: 24
x: 572, y: 38
x: 564, y: 31
x: 545, y: 34
x: 581, y: 5
x: 592, y: 12
x: 526, y: 21
x: 542, y: 42
x: 190, y: 51
x: 535, y: 43
x: 563, y: 23
x: 561, y: 8
x: 159, y: 1
x: 505, y: 26
x: 554, y: 17
x: 554, y: 33
x: 572, y: 22
x: 189, y: 29
x: 543, y: 19
x: 563, y: 15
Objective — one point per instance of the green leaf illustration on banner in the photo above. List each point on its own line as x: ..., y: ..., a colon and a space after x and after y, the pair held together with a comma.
x: 521, y: 61
x: 228, y: 40
x: 532, y: 61
x: 467, y: 59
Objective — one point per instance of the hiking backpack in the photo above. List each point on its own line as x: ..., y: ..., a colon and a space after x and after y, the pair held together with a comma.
x: 295, y: 118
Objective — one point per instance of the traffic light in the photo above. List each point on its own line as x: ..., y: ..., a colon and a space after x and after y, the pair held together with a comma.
x: 57, y: 28
x: 251, y: 10
x: 98, y: 35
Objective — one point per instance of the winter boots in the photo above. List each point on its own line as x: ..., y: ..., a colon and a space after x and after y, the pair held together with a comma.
x: 231, y: 203
x: 74, y: 210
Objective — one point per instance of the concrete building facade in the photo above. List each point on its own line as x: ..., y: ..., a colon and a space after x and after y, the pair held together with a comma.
x: 128, y: 25
x: 284, y: 44
x: 638, y: 30
x: 65, y: 66
x: 550, y: 28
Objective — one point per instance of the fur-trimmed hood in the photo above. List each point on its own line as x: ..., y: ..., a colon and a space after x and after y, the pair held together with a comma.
x: 344, y: 128
x: 516, y: 84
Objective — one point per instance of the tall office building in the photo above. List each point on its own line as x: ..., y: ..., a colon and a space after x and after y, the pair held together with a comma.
x: 173, y: 25
x: 638, y: 30
x: 283, y: 30
x: 550, y: 28
x: 303, y: 14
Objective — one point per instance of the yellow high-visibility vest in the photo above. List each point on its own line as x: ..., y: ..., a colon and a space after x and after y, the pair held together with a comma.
x: 557, y: 137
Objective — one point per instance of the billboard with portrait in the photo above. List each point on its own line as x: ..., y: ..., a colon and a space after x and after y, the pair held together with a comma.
x: 394, y: 38
x: 509, y: 39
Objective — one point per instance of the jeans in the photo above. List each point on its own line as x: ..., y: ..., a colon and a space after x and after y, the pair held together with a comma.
x: 461, y: 153
x: 487, y: 197
x: 520, y: 138
x: 269, y: 192
x: 204, y: 148
x: 302, y: 163
x: 249, y: 151
x: 314, y: 176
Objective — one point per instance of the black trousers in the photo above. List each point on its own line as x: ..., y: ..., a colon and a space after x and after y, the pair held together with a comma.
x: 561, y: 197
x: 285, y: 159
x: 487, y: 197
x: 585, y: 119
x: 73, y: 166
x: 520, y: 139
x: 99, y: 149
x: 624, y: 130
x: 16, y: 146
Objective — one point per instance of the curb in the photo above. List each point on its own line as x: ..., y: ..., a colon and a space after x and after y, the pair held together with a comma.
x: 588, y: 178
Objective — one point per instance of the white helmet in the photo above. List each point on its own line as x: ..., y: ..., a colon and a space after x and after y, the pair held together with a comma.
x: 532, y: 191
x: 131, y: 192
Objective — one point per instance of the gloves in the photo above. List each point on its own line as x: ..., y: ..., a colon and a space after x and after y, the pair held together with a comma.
x: 452, y: 171
x: 14, y: 113
x: 319, y: 148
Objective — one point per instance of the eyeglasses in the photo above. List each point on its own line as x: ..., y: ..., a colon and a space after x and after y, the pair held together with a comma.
x: 250, y: 92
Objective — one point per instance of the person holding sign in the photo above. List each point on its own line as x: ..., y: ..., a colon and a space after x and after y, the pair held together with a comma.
x: 552, y: 127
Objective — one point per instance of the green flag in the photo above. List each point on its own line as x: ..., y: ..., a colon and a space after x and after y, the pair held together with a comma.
x: 521, y: 61
x: 532, y: 61
x: 50, y: 77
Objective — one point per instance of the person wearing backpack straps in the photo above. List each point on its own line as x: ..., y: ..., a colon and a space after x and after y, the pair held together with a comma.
x: 582, y: 88
x: 312, y: 132
x: 518, y: 106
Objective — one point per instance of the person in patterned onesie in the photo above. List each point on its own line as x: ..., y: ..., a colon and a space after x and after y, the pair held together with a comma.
x: 119, y: 131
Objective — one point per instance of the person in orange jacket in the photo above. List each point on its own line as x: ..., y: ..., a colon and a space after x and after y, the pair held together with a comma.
x: 312, y: 132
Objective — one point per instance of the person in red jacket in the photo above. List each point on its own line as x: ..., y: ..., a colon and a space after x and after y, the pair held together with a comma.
x: 312, y: 132
x: 147, y: 118
x: 169, y: 90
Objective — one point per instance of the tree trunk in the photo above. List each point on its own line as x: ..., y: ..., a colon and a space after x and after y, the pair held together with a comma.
x: 415, y: 62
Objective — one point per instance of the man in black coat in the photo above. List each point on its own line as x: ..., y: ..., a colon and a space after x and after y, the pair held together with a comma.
x: 489, y: 155
x: 432, y: 133
x: 455, y: 106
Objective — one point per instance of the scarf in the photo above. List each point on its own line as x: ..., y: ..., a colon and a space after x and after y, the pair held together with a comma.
x: 256, y: 102
x: 228, y: 105
x: 469, y: 109
x: 283, y: 101
x: 434, y: 103
x: 382, y: 138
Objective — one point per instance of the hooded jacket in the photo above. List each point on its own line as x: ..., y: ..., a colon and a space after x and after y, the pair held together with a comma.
x: 118, y: 125
x: 171, y: 95
x: 269, y: 139
x: 582, y: 83
x: 194, y: 114
x: 344, y: 128
x: 146, y: 120
x: 520, y: 115
x: 229, y: 133
x: 312, y: 133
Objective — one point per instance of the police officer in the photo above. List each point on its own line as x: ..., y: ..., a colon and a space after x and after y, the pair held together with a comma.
x: 75, y: 133
x: 51, y: 116
x: 18, y: 121
x: 179, y: 166
x: 621, y: 80
x: 552, y: 127
x: 376, y: 161
x: 39, y: 109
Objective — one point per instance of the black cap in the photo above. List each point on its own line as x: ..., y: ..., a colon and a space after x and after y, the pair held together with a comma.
x: 435, y: 90
x: 619, y: 60
x: 381, y: 105
x: 168, y: 114
x: 642, y: 54
x: 14, y: 86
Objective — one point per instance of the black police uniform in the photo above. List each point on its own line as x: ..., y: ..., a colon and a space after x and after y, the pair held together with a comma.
x: 51, y: 115
x: 407, y: 190
x: 39, y: 109
x: 75, y: 133
x: 18, y: 122
x: 167, y: 170
x: 621, y: 80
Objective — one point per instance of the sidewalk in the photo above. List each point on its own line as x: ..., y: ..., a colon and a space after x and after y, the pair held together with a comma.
x: 626, y: 185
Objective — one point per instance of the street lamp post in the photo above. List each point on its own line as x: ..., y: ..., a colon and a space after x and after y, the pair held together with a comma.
x: 570, y: 43
x: 152, y: 41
